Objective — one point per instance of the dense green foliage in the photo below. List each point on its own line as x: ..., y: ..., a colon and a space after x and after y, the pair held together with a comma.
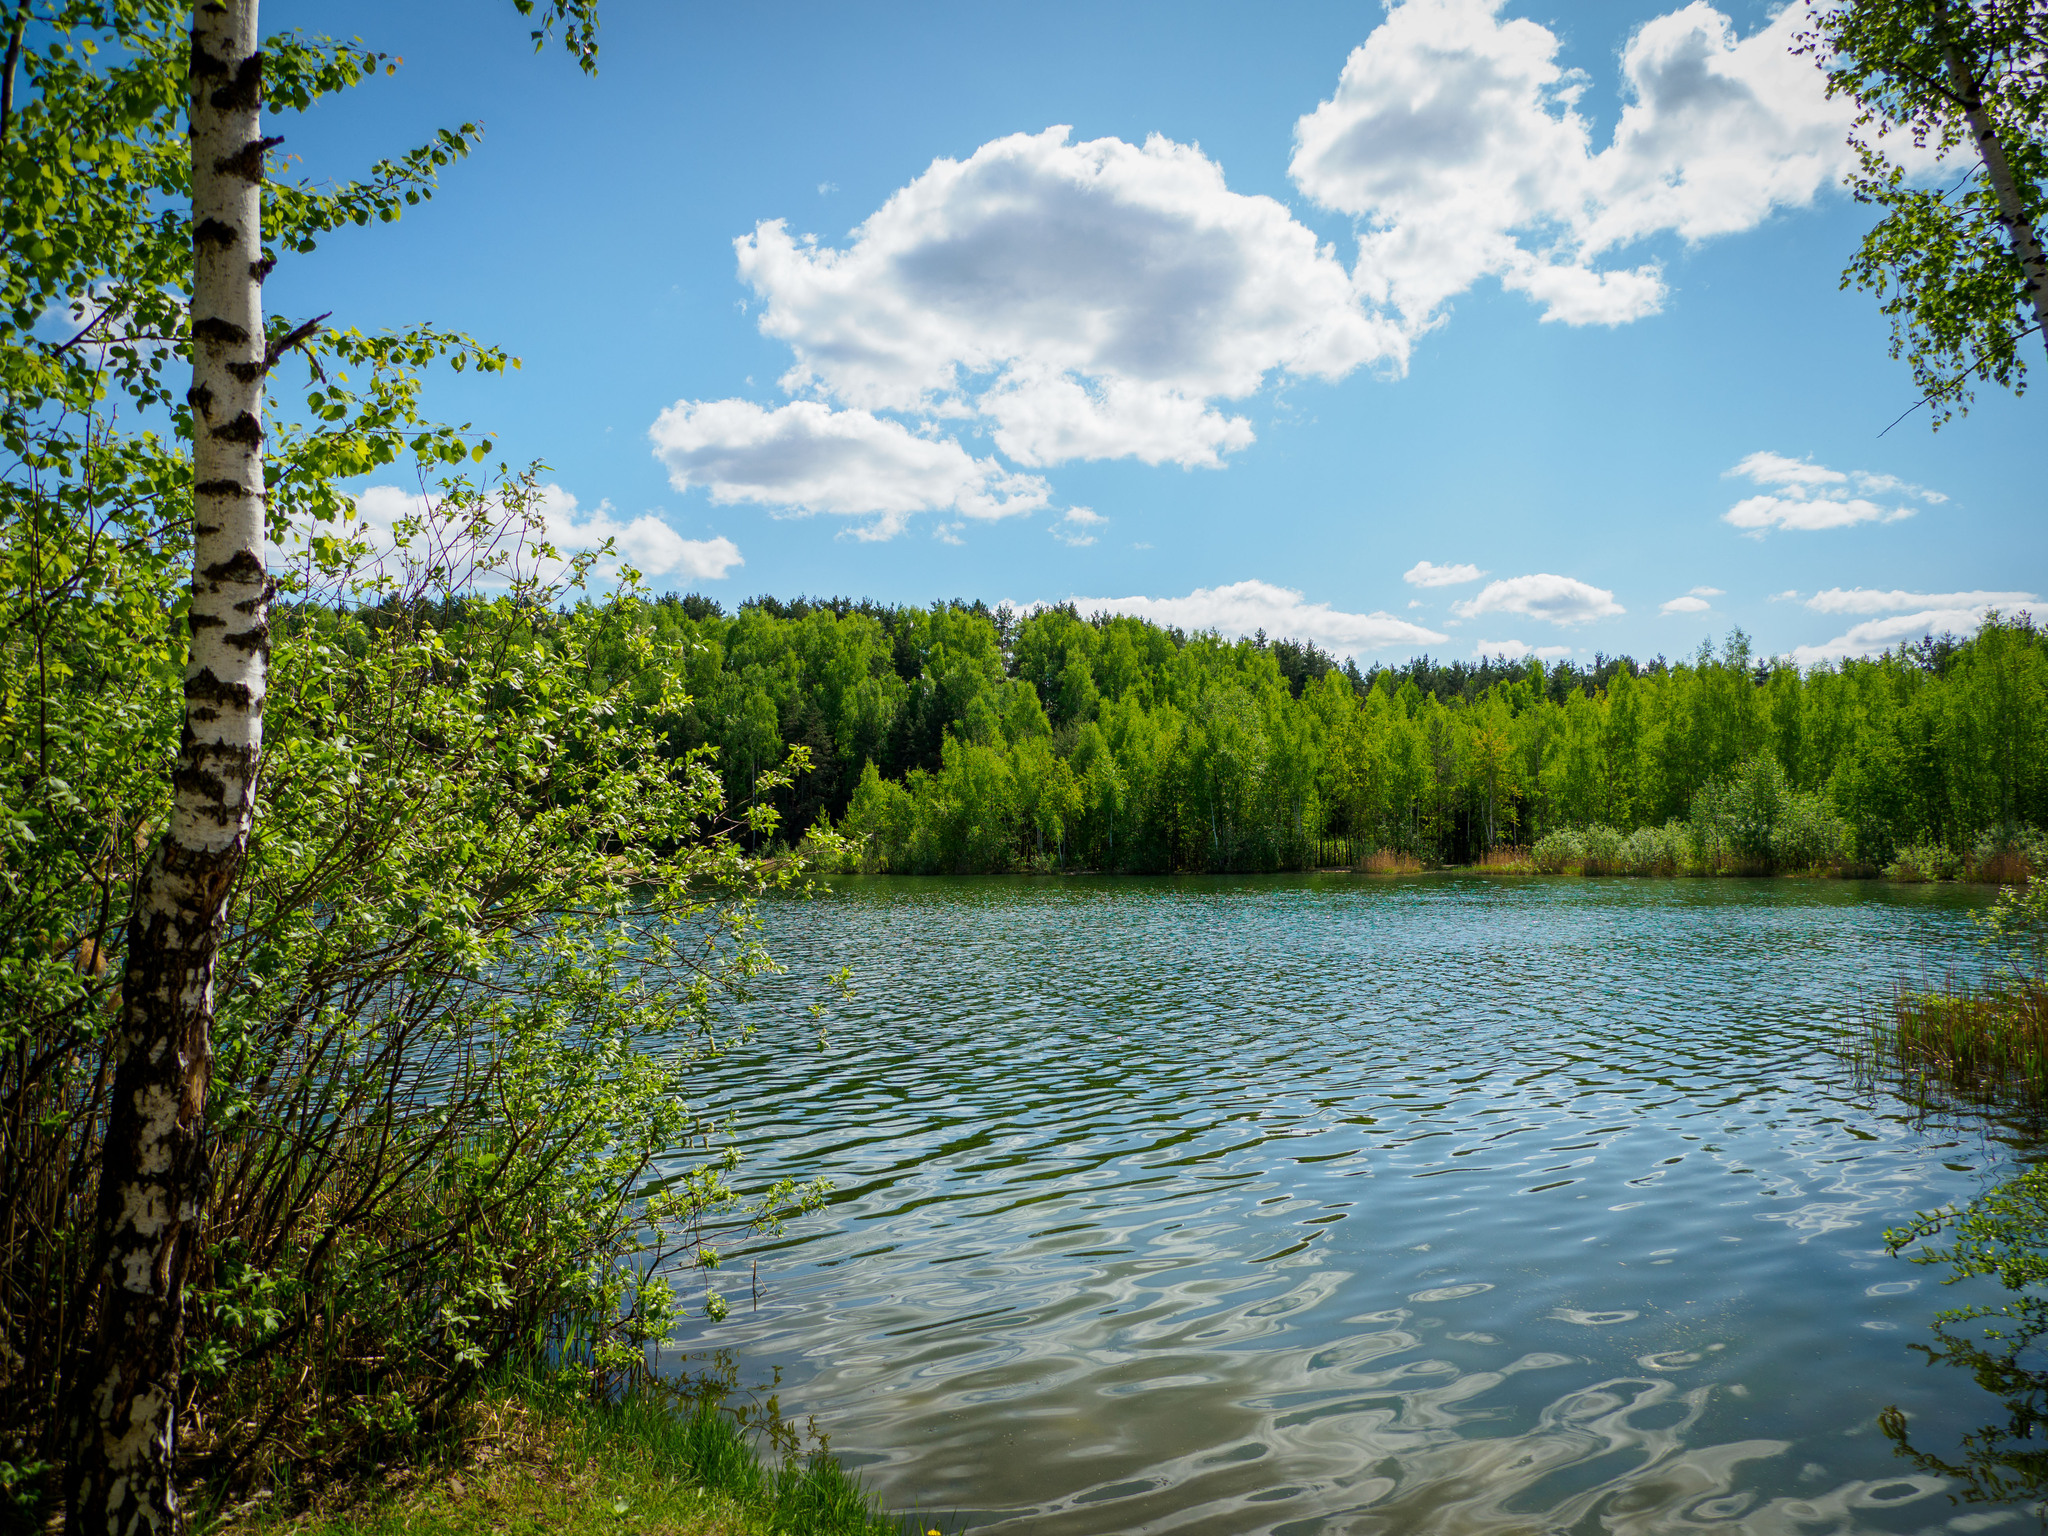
x: 953, y: 738
x: 489, y: 910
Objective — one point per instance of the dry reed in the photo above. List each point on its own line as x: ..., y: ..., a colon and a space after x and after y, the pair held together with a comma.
x: 1389, y: 861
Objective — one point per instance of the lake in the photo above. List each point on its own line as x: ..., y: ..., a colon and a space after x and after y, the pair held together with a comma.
x: 1336, y: 1204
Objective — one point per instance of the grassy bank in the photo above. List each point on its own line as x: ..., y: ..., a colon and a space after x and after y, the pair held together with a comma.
x: 538, y: 1460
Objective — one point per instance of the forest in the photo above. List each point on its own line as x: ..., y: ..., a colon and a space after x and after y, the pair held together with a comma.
x: 956, y: 738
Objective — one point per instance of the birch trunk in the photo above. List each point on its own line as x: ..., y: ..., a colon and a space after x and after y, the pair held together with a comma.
x: 2012, y: 211
x: 154, y: 1174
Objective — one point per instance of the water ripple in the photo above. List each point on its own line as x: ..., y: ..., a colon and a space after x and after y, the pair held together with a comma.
x: 1330, y: 1205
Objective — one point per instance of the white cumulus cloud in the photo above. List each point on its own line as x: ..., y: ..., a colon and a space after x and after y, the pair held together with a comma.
x: 1425, y: 574
x: 806, y: 457
x: 1559, y: 599
x: 1906, y: 616
x: 1455, y: 137
x: 1091, y: 300
x: 1246, y: 607
x: 1808, y: 497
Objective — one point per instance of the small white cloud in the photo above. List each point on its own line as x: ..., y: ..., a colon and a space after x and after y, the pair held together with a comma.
x: 1425, y: 574
x: 1786, y: 596
x: 805, y: 457
x: 827, y: 187
x: 1871, y: 600
x: 1809, y: 497
x: 1076, y: 527
x: 1932, y: 613
x: 1686, y: 604
x: 949, y: 533
x: 1245, y: 607
x: 1557, y: 599
x: 1766, y: 468
x: 1708, y: 592
x: 1757, y: 515
x: 1518, y: 650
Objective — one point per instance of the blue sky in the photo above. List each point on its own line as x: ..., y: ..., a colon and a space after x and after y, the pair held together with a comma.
x: 1443, y: 327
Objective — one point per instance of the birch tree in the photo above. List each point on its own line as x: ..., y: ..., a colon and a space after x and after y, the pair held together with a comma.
x: 1960, y: 267
x: 154, y: 1169
x: 124, y: 1391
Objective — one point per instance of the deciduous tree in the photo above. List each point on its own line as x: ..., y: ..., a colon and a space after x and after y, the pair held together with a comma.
x: 1960, y: 266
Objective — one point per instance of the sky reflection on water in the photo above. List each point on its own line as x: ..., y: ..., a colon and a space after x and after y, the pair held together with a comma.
x: 1323, y: 1204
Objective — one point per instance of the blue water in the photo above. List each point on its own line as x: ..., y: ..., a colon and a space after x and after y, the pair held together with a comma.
x: 1340, y: 1204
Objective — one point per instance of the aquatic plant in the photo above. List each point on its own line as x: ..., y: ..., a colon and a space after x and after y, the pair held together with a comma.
x: 1985, y: 1040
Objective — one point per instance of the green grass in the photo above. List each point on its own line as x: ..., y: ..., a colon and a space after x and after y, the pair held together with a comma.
x: 542, y: 1462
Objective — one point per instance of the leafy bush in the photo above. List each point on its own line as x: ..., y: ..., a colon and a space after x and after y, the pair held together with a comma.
x: 1754, y: 822
x: 1603, y: 851
x: 2010, y: 855
x: 1921, y: 862
x: 1658, y: 850
x: 1559, y: 851
x: 1808, y: 835
x: 479, y: 942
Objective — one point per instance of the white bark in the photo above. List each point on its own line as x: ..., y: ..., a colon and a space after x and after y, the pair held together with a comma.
x: 2026, y: 240
x: 153, y: 1184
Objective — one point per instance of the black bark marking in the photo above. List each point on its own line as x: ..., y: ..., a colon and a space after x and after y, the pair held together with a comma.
x: 203, y: 685
x: 204, y: 65
x: 248, y: 373
x: 261, y: 269
x: 221, y: 488
x: 200, y: 398
x: 256, y: 640
x: 226, y: 332
x: 213, y: 232
x: 245, y: 90
x: 243, y: 429
x: 246, y: 162
x: 242, y: 565
x: 196, y: 621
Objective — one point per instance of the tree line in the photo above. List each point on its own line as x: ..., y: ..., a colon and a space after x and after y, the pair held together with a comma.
x: 958, y: 738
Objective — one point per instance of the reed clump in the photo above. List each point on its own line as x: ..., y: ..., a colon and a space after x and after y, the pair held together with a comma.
x: 1389, y: 861
x: 1984, y: 1041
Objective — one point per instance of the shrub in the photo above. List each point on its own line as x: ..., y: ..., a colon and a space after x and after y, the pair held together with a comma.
x: 1603, y: 851
x: 1808, y: 835
x: 1921, y: 862
x: 1657, y: 850
x: 1556, y: 852
x: 2010, y: 855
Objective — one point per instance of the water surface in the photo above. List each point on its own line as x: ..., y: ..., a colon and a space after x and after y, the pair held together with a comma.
x: 1331, y: 1204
